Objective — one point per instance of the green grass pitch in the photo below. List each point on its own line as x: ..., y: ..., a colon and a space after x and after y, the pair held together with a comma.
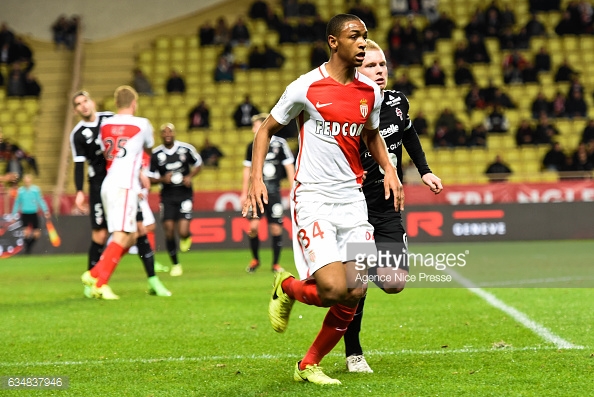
x: 213, y: 338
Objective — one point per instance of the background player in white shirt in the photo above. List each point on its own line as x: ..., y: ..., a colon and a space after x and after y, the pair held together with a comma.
x: 123, y: 137
x: 335, y: 108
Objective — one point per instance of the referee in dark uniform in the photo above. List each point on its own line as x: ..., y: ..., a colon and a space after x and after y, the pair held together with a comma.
x: 397, y: 130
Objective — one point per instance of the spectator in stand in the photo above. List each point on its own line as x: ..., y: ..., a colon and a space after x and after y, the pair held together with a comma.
x: 542, y: 60
x: 273, y: 59
x: 60, y: 31
x: 581, y: 160
x: 272, y: 19
x: 540, y: 105
x: 256, y: 58
x: 141, y: 83
x: 240, y: 33
x: 558, y: 107
x: 428, y: 41
x: 522, y: 40
x: 588, y: 133
x: 554, y: 159
x: 534, y: 27
x: 474, y: 99
x: 498, y: 171
x: 23, y: 54
x: 476, y: 25
x: 224, y: 70
x: 1, y: 79
x: 508, y: 17
x: 318, y: 29
x: 258, y: 10
x: 493, y: 22
x: 458, y: 135
x: 434, y: 75
x: 478, y: 136
x: 496, y: 121
x: 72, y: 31
x: 545, y: 130
x: 6, y: 35
x: 307, y: 9
x: 286, y: 32
x: 7, y: 54
x: 564, y: 72
x: 199, y: 116
x: 462, y: 73
x: 404, y: 84
x: 222, y: 32
x: 525, y: 134
x: 575, y: 105
x: 206, y: 34
x: 210, y: 154
x: 394, y: 39
x: 529, y: 73
x: 412, y: 55
x: 15, y: 85
x: 576, y: 85
x: 291, y: 8
x: 175, y: 83
x: 244, y: 112
x: 544, y: 5
x: 303, y: 31
x: 421, y: 124
x: 477, y: 50
x: 507, y: 39
x: 488, y: 92
x: 364, y: 12
x: 319, y: 54
x: 502, y: 100
x: 461, y: 51
x: 31, y: 85
x: 443, y: 26
x: 565, y: 26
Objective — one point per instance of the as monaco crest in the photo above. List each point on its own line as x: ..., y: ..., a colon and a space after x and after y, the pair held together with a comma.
x: 363, y: 107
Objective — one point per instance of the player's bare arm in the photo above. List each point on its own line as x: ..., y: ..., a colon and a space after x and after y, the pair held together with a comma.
x: 378, y: 150
x: 257, y: 194
x: 188, y: 178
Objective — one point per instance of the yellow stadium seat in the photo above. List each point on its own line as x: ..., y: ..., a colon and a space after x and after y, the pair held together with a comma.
x: 26, y: 130
x: 21, y: 117
x: 162, y: 43
x: 5, y: 118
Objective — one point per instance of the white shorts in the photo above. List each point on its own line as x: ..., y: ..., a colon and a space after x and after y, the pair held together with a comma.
x: 148, y: 218
x: 321, y: 232
x: 121, y: 206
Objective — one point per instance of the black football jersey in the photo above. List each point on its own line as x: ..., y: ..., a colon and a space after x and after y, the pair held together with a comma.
x: 86, y: 147
x: 180, y: 159
x: 396, y: 128
x: 279, y: 154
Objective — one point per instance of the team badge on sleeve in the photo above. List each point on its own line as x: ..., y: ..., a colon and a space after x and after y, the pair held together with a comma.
x: 363, y: 107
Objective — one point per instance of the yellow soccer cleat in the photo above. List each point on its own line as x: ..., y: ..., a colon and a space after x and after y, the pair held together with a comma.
x: 280, y: 305
x: 313, y: 374
x: 185, y: 244
x: 105, y: 292
x: 157, y: 288
x: 176, y: 270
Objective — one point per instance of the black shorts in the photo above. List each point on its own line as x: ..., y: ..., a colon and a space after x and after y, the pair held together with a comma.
x: 96, y: 212
x: 274, y: 210
x: 176, y: 209
x: 30, y: 220
x: 389, y: 234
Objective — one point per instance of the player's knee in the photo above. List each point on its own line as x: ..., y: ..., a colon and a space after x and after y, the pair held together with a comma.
x: 332, y: 295
x: 392, y: 291
x: 253, y: 233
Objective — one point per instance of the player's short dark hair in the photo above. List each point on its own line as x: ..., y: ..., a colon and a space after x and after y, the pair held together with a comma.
x: 336, y: 23
x: 80, y: 93
x: 259, y: 117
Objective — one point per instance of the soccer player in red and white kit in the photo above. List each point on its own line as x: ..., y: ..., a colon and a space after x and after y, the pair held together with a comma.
x: 335, y: 107
x: 123, y: 138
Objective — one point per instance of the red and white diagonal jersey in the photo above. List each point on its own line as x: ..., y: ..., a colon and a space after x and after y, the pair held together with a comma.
x: 123, y: 140
x: 330, y: 117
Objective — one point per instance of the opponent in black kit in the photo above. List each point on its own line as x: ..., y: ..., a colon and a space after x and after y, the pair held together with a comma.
x: 397, y: 130
x: 173, y: 165
x: 279, y: 164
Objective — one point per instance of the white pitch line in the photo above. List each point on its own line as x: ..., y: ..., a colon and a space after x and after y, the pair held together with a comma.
x: 517, y: 315
x: 272, y: 356
x: 547, y: 280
